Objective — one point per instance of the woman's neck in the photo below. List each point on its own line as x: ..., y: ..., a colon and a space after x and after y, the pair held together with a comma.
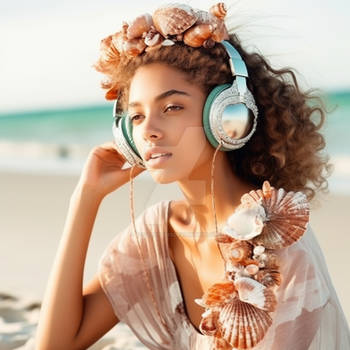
x: 228, y: 189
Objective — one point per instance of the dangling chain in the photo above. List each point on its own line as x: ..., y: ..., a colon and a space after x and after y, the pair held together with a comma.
x: 146, y: 273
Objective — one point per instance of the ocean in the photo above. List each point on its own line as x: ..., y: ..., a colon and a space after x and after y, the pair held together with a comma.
x: 58, y: 140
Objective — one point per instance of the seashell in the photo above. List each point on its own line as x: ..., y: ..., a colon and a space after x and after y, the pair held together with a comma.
x: 139, y: 25
x: 269, y: 260
x: 118, y: 40
x: 208, y: 324
x: 238, y: 251
x: 173, y: 19
x: 243, y: 325
x: 109, y: 53
x: 112, y: 94
x: 251, y: 269
x: 255, y: 293
x: 246, y: 222
x: 220, y: 343
x: 153, y: 38
x: 219, y: 10
x: 198, y: 34
x: 269, y: 278
x: 258, y: 250
x: 167, y: 42
x: 134, y: 47
x: 222, y: 238
x: 209, y: 43
x: 218, y: 294
x: 287, y: 215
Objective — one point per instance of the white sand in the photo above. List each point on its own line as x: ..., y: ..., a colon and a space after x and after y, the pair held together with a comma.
x: 32, y: 213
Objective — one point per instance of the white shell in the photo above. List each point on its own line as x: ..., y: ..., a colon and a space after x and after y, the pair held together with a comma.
x: 246, y: 222
x: 255, y: 293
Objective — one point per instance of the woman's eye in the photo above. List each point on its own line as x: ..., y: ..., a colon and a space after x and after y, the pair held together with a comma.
x: 172, y: 108
x: 135, y: 117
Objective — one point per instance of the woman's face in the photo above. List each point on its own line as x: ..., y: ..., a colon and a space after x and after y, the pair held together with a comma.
x: 166, y: 114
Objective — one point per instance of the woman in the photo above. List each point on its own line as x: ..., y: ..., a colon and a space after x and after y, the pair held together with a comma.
x: 199, y: 273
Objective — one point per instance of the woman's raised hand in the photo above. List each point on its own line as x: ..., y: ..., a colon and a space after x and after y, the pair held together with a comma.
x: 103, y: 173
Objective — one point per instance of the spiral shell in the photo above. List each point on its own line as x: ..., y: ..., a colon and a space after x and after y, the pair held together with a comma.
x: 255, y: 293
x: 197, y: 35
x: 220, y: 32
x: 173, y: 19
x: 243, y: 325
x: 218, y: 294
x: 219, y: 10
x: 139, y: 25
x: 236, y: 252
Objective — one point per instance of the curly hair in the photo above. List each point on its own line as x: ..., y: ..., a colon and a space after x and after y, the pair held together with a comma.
x: 286, y: 146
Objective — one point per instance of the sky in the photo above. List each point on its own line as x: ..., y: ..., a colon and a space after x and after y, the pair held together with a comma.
x: 48, y: 47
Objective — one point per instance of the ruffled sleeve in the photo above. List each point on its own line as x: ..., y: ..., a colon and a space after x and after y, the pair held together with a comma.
x: 123, y: 276
x: 308, y: 314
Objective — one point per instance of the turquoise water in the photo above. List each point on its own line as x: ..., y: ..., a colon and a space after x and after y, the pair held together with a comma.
x: 92, y: 125
x: 60, y: 139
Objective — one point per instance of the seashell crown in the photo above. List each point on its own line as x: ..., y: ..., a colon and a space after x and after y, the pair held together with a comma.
x: 169, y: 24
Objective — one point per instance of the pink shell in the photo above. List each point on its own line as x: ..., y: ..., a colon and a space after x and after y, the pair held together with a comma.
x: 243, y: 325
x: 174, y: 19
x: 287, y: 215
x: 255, y: 293
x: 219, y: 294
x: 139, y: 25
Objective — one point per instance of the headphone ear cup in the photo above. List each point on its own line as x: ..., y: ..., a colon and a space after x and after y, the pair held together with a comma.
x: 122, y: 132
x: 206, y: 113
x: 127, y: 131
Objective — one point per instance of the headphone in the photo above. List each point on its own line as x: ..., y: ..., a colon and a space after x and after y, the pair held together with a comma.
x: 229, y: 115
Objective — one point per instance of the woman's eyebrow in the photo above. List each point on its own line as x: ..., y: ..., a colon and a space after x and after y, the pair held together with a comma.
x: 162, y: 96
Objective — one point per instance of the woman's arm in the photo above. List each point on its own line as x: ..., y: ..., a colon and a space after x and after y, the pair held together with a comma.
x: 72, y: 318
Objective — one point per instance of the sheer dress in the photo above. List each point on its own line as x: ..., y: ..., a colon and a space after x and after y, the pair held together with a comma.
x: 308, y: 315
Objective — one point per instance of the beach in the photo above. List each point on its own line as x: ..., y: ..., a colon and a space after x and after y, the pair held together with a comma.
x: 33, y: 207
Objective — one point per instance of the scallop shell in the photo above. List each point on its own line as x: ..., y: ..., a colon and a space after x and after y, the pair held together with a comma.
x: 287, y: 215
x: 268, y: 260
x: 109, y: 53
x: 174, y: 19
x: 219, y: 10
x: 255, y: 293
x: 243, y: 325
x: 197, y: 35
x: 246, y: 222
x: 218, y: 294
x: 139, y: 25
x: 269, y: 278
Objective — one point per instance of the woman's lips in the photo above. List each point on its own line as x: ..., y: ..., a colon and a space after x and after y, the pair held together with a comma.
x: 158, y: 160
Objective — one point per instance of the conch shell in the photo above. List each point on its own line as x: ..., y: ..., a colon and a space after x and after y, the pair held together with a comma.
x: 174, y: 19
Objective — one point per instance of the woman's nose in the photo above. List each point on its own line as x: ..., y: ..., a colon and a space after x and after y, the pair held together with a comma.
x: 151, y: 130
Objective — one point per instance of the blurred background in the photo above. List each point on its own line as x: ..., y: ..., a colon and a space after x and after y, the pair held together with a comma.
x: 52, y: 112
